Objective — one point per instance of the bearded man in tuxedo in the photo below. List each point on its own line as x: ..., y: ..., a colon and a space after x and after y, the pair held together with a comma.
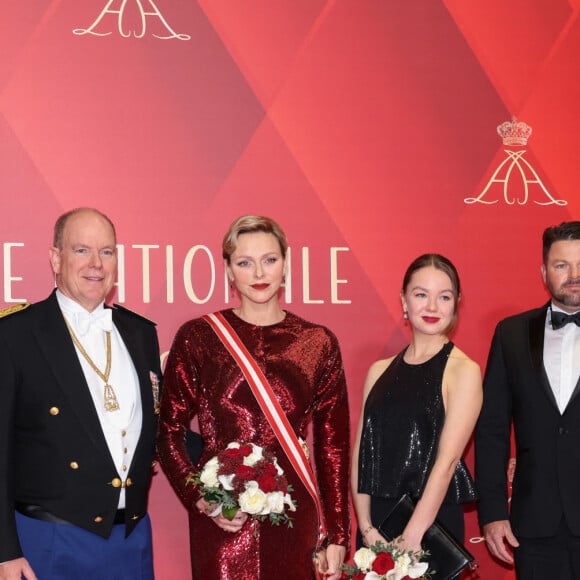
x: 532, y: 382
x: 79, y: 389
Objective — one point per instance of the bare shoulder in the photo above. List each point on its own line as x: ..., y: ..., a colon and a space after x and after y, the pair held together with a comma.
x: 460, y: 360
x: 380, y: 366
x: 375, y: 371
x: 462, y: 368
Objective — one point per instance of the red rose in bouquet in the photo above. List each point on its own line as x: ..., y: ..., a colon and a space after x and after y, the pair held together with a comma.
x: 383, y: 563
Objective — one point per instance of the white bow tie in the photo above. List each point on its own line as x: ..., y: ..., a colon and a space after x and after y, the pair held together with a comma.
x: 100, y: 318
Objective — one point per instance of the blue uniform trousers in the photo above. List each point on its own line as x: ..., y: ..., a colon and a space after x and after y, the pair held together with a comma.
x: 67, y: 552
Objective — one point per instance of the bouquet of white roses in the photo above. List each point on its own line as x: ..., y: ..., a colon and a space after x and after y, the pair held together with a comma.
x: 386, y: 562
x: 246, y: 477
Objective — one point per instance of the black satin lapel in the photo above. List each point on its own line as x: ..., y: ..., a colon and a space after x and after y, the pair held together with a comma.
x: 56, y: 345
x: 537, y: 328
x: 574, y: 394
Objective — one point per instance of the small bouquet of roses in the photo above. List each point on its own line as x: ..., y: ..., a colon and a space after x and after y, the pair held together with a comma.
x: 246, y: 477
x: 386, y: 562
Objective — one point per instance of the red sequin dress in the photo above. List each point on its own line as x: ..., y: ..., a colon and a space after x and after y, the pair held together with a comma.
x: 302, y: 362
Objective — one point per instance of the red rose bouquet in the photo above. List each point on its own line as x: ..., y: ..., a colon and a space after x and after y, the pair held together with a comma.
x: 246, y: 477
x: 386, y: 562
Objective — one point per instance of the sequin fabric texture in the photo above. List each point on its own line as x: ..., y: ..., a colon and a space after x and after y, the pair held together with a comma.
x: 303, y: 364
x: 403, y: 419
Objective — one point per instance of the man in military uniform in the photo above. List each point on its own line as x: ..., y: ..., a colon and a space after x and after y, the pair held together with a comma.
x: 79, y: 388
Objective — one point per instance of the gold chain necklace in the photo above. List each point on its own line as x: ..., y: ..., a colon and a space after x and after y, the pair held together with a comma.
x: 111, y: 403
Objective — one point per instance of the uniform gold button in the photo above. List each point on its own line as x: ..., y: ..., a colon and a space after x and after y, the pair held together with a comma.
x: 125, y: 450
x: 74, y: 465
x: 116, y: 482
x: 124, y: 468
x: 123, y: 433
x: 98, y: 520
x: 128, y: 483
x: 54, y: 411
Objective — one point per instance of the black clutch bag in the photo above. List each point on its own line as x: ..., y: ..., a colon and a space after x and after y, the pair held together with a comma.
x: 447, y: 557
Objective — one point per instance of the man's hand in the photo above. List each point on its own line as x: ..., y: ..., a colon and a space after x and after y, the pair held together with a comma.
x: 16, y: 569
x: 498, y: 536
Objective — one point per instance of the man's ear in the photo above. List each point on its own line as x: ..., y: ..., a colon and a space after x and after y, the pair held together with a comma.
x: 54, y: 257
x: 543, y: 270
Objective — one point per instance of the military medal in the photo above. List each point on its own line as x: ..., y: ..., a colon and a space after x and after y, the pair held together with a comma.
x: 155, y: 388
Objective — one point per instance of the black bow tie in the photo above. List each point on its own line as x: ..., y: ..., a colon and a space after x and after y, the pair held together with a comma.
x: 560, y: 319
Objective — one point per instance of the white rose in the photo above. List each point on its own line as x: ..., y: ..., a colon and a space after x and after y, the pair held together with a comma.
x: 417, y: 570
x: 288, y: 501
x: 209, y: 473
x: 275, y: 500
x: 226, y: 481
x: 403, y: 562
x: 279, y: 470
x: 403, y: 568
x: 253, y: 500
x: 364, y: 558
x: 253, y: 457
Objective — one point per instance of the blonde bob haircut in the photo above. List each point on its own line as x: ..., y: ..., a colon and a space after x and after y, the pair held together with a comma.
x: 249, y: 224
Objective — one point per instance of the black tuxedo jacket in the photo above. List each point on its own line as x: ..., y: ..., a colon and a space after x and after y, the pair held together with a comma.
x: 546, y: 483
x: 52, y: 449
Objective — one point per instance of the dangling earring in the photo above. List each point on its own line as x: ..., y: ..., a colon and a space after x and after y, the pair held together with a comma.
x: 405, y: 314
x: 231, y: 284
x: 284, y: 279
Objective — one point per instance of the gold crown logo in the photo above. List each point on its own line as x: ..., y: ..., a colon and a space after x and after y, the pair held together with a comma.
x: 514, y: 132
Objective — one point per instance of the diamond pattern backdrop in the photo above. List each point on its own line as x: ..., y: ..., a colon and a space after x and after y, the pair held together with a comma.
x: 361, y: 125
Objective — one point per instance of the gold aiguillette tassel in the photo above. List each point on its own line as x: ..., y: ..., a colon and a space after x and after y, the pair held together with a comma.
x: 111, y: 403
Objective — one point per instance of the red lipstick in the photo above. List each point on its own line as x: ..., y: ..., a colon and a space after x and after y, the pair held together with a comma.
x: 430, y: 319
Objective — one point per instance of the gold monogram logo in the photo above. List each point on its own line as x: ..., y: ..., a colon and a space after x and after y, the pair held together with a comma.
x: 515, y: 176
x: 118, y: 14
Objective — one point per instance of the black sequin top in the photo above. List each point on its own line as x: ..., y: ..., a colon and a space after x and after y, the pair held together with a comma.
x: 403, y: 420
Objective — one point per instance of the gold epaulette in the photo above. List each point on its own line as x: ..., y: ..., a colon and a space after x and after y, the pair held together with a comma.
x: 14, y: 308
x: 133, y: 313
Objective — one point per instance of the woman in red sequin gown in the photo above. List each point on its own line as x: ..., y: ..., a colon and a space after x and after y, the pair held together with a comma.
x: 302, y: 362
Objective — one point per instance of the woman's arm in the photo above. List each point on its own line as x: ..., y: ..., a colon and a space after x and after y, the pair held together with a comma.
x: 462, y: 396
x: 362, y: 501
x: 178, y: 407
x: 331, y: 438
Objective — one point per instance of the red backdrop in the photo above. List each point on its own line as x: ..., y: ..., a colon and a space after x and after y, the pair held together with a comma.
x: 367, y: 128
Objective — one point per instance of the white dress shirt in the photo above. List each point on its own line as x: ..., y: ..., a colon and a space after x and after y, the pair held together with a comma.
x: 122, y: 427
x: 562, y: 358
